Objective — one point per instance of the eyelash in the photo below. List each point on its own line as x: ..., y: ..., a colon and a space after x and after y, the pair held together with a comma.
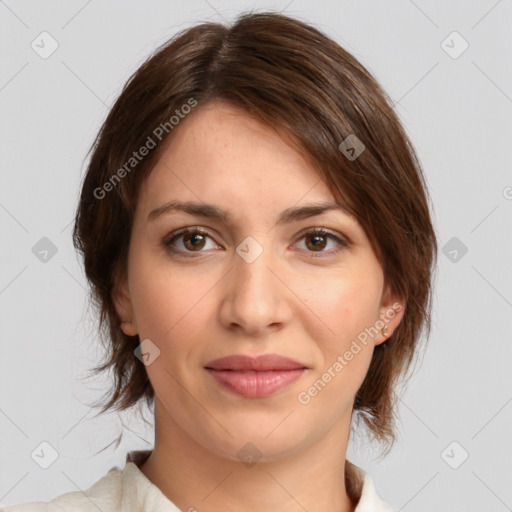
x: 170, y: 239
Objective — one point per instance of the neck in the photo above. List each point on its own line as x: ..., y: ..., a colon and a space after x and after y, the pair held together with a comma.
x: 195, y: 479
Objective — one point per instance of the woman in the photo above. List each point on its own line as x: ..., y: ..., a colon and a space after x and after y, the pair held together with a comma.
x: 255, y: 226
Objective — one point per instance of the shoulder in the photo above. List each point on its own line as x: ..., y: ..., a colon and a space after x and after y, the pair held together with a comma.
x: 106, y: 495
x: 128, y: 490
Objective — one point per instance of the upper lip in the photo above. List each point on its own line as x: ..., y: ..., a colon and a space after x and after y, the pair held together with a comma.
x: 267, y: 362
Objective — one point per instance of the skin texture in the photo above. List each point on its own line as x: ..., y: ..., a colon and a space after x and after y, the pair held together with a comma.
x: 296, y: 299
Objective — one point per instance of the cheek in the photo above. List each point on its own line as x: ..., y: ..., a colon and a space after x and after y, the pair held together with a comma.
x: 347, y: 308
x: 176, y: 313
x: 166, y: 300
x: 346, y: 303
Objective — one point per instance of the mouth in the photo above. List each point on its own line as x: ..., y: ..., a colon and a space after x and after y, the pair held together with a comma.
x: 255, y: 376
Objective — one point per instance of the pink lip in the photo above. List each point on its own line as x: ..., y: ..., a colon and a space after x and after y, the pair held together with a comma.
x: 255, y: 376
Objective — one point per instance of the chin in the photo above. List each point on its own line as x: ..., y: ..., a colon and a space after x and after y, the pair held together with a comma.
x: 256, y: 442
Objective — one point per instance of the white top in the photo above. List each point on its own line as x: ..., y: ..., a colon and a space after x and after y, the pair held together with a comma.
x: 130, y: 490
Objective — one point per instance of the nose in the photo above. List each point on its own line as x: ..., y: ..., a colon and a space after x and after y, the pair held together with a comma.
x: 255, y: 299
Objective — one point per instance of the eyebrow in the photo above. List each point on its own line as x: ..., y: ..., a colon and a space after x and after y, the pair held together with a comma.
x: 213, y: 212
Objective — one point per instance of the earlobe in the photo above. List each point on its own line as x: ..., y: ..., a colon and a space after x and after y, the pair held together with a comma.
x: 390, y: 316
x: 124, y: 309
x: 129, y: 328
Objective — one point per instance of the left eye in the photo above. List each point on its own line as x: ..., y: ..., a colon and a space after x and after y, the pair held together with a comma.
x: 316, y: 241
x: 190, y: 240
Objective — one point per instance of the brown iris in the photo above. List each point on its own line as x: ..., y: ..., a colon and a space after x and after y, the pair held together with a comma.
x: 318, y: 242
x: 193, y: 241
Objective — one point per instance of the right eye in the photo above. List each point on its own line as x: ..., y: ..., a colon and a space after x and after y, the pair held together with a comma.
x: 188, y: 240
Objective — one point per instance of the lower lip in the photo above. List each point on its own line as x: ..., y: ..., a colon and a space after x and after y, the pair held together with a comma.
x: 256, y: 384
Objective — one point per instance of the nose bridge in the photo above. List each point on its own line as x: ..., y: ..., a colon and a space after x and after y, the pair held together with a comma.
x: 253, y: 278
x: 254, y: 281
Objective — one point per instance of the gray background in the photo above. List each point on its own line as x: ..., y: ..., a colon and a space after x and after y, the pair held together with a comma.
x: 458, y: 113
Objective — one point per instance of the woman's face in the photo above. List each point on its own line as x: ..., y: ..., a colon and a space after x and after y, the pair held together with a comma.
x: 255, y: 280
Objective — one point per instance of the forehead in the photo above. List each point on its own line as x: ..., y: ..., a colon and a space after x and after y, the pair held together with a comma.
x: 220, y: 153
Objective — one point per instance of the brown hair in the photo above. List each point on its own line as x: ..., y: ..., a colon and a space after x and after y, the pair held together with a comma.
x: 305, y: 86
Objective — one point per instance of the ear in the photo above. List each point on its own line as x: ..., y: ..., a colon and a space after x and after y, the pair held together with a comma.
x: 124, y: 309
x: 391, y: 312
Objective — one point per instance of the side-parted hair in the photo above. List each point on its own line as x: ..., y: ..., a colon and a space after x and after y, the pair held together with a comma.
x: 314, y: 93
